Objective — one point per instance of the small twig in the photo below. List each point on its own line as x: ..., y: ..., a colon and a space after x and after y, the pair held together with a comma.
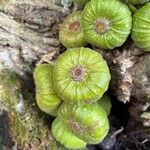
x: 117, y: 132
x: 48, y: 58
x: 146, y: 140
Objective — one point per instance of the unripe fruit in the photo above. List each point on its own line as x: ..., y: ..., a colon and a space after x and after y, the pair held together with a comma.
x: 81, y: 75
x: 71, y: 33
x: 61, y: 133
x: 105, y: 103
x: 46, y: 97
x: 141, y: 28
x: 106, y: 24
x: 88, y: 122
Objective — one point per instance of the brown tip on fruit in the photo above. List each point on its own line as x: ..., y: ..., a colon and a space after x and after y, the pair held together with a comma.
x: 74, y: 26
x: 101, y: 26
x: 75, y: 126
x: 78, y: 73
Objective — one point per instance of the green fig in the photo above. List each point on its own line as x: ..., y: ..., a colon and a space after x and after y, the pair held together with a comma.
x: 71, y: 33
x: 105, y: 103
x: 88, y: 122
x: 141, y: 28
x: 62, y: 133
x: 81, y: 75
x: 81, y: 2
x: 136, y: 1
x: 46, y: 97
x: 106, y: 24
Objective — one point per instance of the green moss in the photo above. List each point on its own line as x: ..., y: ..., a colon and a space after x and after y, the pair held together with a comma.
x: 26, y: 127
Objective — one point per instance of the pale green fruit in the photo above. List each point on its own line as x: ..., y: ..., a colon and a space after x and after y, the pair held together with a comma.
x: 81, y: 75
x: 141, y: 28
x: 105, y: 103
x: 88, y: 122
x: 106, y: 23
x: 46, y: 97
x: 71, y: 32
x: 61, y: 133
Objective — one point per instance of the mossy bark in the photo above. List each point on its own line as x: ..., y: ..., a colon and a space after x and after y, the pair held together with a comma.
x: 28, y: 32
x: 22, y: 124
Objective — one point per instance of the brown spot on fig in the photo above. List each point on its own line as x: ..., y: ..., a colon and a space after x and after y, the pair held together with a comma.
x: 101, y: 26
x: 75, y: 126
x: 74, y: 26
x: 78, y: 73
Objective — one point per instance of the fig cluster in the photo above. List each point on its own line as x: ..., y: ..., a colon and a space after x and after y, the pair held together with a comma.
x: 73, y: 90
x: 107, y: 24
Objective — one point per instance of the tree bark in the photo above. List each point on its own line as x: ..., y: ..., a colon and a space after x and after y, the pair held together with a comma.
x: 28, y: 31
x: 130, y: 79
x: 22, y: 125
x: 130, y: 71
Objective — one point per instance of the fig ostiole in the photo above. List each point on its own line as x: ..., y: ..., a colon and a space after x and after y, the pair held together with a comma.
x: 71, y: 33
x: 46, y: 97
x: 106, y: 24
x: 87, y: 122
x: 80, y: 76
x: 141, y: 28
x: 62, y: 134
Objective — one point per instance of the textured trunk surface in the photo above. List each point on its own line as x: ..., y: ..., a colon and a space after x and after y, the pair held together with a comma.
x: 130, y: 70
x: 28, y: 32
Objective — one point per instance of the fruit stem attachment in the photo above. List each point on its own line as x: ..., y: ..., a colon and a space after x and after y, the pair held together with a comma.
x: 78, y: 73
x: 74, y: 26
x: 101, y: 26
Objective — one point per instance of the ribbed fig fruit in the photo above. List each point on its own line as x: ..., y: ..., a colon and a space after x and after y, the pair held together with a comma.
x: 62, y: 133
x: 81, y: 2
x: 46, y: 97
x: 136, y: 1
x: 88, y: 122
x: 141, y: 28
x: 81, y: 75
x: 71, y: 33
x: 106, y: 24
x: 105, y: 103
